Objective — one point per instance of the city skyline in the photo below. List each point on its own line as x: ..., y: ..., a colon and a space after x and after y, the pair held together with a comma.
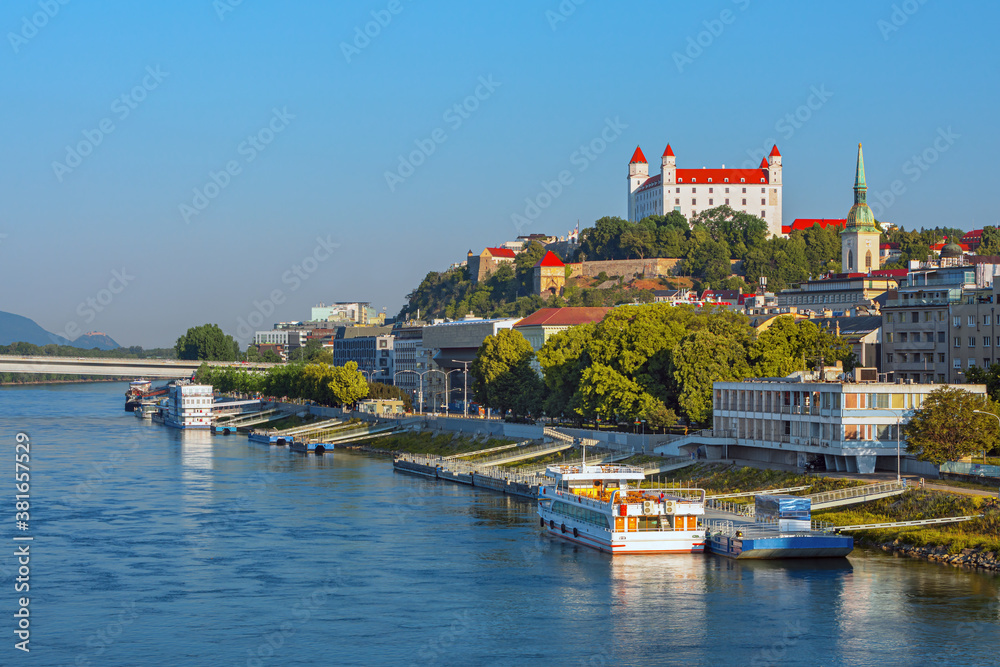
x: 206, y: 161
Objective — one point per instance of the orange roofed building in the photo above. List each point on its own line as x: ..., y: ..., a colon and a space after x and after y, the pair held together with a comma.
x: 550, y: 275
x: 485, y: 263
x: 547, y: 322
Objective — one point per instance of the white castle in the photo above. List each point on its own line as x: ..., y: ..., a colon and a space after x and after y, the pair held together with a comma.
x: 753, y: 191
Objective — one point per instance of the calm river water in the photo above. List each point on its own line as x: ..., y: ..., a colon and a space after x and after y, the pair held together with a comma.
x: 157, y: 547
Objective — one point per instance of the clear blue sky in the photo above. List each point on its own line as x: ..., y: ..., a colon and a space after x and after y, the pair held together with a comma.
x: 552, y: 86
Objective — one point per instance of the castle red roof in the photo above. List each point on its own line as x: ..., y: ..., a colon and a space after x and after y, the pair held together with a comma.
x: 669, y: 152
x: 774, y: 152
x: 806, y: 223
x: 563, y: 317
x: 501, y: 252
x: 763, y: 163
x: 550, y: 259
x: 637, y: 156
x: 720, y: 175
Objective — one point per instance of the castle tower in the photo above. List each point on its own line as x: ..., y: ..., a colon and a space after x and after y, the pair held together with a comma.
x: 668, y: 167
x: 550, y: 275
x: 638, y: 172
x: 774, y: 166
x: 859, y: 240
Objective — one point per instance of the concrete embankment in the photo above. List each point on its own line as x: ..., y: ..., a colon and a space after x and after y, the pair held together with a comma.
x: 472, y: 478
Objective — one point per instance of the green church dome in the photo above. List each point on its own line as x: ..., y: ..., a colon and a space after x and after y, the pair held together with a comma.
x: 860, y: 216
x: 951, y: 250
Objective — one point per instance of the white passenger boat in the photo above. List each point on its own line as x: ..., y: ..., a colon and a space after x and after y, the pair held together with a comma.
x: 603, y: 507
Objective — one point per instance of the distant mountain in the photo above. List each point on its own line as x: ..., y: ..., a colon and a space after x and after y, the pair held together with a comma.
x: 91, y: 339
x: 20, y: 329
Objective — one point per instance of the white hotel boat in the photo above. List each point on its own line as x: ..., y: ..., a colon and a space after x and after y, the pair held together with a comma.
x: 602, y: 506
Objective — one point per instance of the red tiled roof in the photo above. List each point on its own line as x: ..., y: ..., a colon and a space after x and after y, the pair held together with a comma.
x: 650, y: 182
x: 975, y: 234
x: 941, y: 244
x: 774, y: 152
x: 889, y: 273
x: 561, y: 317
x: 669, y: 152
x: 806, y: 223
x: 501, y: 252
x: 637, y: 156
x: 550, y: 259
x: 720, y: 175
x: 763, y: 163
x: 717, y: 176
x: 888, y: 246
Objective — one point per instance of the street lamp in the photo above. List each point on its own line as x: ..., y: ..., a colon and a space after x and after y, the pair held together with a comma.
x: 419, y: 375
x: 983, y: 412
x: 465, y: 385
x: 899, y: 416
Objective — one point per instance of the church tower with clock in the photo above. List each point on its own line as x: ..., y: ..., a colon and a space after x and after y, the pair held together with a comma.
x: 859, y: 240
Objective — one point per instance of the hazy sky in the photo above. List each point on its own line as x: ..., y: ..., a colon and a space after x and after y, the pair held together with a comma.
x: 186, y: 162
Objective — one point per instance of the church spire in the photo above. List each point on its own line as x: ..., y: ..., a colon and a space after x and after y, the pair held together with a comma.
x: 860, y: 185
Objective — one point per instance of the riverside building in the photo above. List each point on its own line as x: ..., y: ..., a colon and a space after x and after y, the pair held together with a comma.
x: 810, y: 418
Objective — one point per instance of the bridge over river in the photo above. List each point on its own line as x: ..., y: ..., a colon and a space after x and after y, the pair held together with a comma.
x: 125, y: 368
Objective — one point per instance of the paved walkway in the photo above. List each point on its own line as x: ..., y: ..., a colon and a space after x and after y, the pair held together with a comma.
x: 914, y: 482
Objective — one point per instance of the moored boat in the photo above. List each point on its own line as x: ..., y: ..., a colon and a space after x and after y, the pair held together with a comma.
x: 605, y: 508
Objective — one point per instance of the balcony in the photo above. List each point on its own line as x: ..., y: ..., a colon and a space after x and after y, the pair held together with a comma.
x: 917, y: 303
x: 914, y: 346
x: 929, y: 366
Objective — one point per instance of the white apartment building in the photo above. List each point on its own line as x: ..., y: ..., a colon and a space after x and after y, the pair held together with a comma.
x: 189, y: 406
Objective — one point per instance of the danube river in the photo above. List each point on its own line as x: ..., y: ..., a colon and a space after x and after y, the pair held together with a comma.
x: 157, y: 547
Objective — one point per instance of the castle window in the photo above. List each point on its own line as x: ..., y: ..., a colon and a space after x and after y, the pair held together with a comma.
x: 727, y: 180
x: 727, y: 201
x: 677, y: 202
x: 710, y: 202
x: 710, y: 190
x: 743, y: 180
x: 868, y: 259
x: 680, y: 180
x: 727, y: 189
x: 693, y: 190
x: 762, y: 190
x: 762, y: 214
x: 694, y: 180
x: 744, y: 202
x: 762, y: 180
x: 710, y: 180
x: 744, y: 190
x: 694, y: 202
x: 763, y: 202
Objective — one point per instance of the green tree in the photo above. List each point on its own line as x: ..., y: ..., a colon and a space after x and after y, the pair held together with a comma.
x: 207, y: 342
x: 946, y: 428
x: 704, y: 357
x: 658, y: 415
x: 347, y: 384
x: 563, y: 358
x: 503, y: 378
x: 990, y: 241
x: 271, y: 356
x: 606, y: 392
x: 524, y: 266
x: 988, y: 376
